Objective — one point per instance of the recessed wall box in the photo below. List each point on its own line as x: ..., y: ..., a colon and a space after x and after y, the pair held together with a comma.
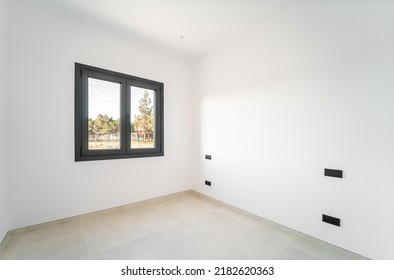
x: 333, y: 173
x: 331, y: 220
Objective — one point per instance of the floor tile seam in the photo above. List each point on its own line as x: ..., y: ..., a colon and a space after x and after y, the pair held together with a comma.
x: 279, y: 241
x: 317, y: 242
x: 147, y: 232
x: 121, y: 209
x: 228, y: 245
x: 105, y: 228
x: 24, y: 235
x: 85, y: 217
x: 118, y: 209
x: 168, y: 212
x: 101, y: 224
x: 141, y: 233
x: 327, y: 256
x: 278, y: 255
x: 246, y: 225
x: 101, y: 251
x: 45, y: 241
x: 50, y: 224
x: 300, y: 245
x: 201, y: 232
x: 323, y: 246
x: 88, y: 217
x: 150, y: 244
x: 146, y: 236
x: 330, y: 248
x: 243, y: 212
x: 292, y: 237
x: 320, y: 250
x: 27, y: 231
x: 314, y: 257
x: 91, y: 252
x: 85, y: 238
x: 4, y: 243
x: 233, y: 251
x: 158, y: 249
x: 130, y: 214
x: 5, y: 239
x: 191, y: 215
x: 89, y: 237
x: 18, y: 247
x: 345, y: 253
x: 310, y: 255
x: 182, y: 218
x: 149, y: 238
x: 152, y: 200
x: 12, y: 252
x: 85, y: 244
x: 312, y: 239
x: 48, y: 228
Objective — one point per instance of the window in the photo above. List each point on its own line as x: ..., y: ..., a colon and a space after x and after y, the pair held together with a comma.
x: 116, y: 115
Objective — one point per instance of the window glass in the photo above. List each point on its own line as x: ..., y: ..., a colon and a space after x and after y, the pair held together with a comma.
x: 103, y: 115
x: 142, y: 118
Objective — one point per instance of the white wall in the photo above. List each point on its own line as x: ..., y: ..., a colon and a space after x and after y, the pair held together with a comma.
x: 3, y: 149
x: 44, y: 181
x: 310, y: 89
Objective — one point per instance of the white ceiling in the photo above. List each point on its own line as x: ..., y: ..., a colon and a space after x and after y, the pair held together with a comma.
x: 204, y: 24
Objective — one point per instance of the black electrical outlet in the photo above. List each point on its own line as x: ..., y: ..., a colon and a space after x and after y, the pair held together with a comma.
x: 208, y: 157
x: 208, y: 183
x: 333, y: 173
x: 331, y: 220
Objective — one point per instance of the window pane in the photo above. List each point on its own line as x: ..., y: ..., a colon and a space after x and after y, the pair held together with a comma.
x: 103, y: 114
x: 142, y: 118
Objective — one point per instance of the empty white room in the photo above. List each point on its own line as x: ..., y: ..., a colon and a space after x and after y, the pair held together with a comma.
x: 197, y: 130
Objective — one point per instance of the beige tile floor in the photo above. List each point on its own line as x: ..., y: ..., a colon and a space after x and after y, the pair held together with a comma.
x: 182, y: 226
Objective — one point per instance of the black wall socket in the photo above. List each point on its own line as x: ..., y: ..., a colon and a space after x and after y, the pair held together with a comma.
x: 208, y: 157
x: 331, y: 220
x: 333, y: 173
x: 208, y: 183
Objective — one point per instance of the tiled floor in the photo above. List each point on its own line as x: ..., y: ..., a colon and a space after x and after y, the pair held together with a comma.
x: 182, y: 226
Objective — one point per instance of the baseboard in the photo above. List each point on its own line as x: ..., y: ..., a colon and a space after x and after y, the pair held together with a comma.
x: 3, y: 241
x: 282, y: 227
x: 187, y: 192
x: 72, y: 219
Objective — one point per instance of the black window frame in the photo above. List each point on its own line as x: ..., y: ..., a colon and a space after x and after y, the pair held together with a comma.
x: 82, y: 73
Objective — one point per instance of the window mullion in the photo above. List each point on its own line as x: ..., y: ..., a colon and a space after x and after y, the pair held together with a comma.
x: 125, y: 117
